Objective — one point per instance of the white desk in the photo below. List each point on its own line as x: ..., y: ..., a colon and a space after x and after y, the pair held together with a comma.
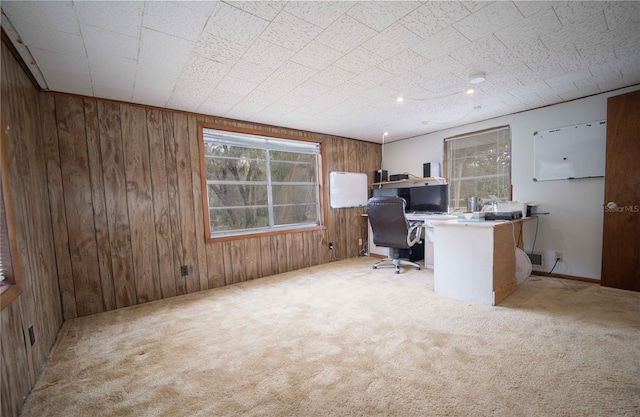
x: 428, y: 221
x: 476, y: 261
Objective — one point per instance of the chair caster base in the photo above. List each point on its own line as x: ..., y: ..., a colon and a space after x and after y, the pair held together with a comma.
x: 396, y: 263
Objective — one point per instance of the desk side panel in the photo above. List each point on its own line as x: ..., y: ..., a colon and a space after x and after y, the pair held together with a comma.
x: 504, y: 260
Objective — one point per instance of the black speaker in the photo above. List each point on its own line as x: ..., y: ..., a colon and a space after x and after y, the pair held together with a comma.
x: 381, y: 176
x: 426, y: 170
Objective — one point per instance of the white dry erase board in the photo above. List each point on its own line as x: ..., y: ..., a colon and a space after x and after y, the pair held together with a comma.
x: 570, y: 152
x: 348, y: 189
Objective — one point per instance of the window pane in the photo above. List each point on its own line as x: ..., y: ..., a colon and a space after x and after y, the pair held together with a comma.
x: 244, y: 165
x: 292, y: 157
x: 295, y: 214
x: 479, y: 165
x: 241, y: 218
x: 293, y: 172
x: 235, y: 195
x: 294, y: 194
x: 227, y: 151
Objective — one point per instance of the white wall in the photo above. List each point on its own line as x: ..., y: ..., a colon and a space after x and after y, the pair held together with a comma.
x: 574, y: 223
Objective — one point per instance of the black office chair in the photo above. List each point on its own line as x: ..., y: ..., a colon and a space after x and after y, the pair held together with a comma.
x: 391, y: 229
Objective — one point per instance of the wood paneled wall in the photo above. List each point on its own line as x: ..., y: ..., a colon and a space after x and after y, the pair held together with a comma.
x: 39, y: 303
x: 107, y: 207
x: 126, y: 197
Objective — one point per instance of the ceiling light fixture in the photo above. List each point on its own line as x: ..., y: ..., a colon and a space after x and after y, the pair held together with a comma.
x: 477, y: 78
x: 471, y: 90
x: 400, y: 99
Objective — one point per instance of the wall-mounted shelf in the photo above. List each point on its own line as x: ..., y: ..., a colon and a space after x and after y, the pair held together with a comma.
x: 411, y: 181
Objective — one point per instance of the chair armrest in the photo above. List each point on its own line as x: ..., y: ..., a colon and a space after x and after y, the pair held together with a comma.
x: 415, y: 233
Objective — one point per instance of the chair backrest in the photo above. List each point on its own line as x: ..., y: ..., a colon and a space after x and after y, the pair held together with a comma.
x: 388, y: 222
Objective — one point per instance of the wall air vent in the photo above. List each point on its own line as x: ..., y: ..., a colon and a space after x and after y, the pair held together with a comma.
x: 537, y: 260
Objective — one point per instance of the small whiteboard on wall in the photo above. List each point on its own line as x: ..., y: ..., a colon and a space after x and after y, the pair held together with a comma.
x: 348, y: 189
x: 570, y: 152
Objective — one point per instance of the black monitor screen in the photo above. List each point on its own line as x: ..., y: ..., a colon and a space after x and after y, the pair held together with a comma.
x: 433, y: 198
x: 400, y: 192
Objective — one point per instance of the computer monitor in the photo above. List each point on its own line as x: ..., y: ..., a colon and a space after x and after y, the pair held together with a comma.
x: 400, y: 192
x: 431, y: 198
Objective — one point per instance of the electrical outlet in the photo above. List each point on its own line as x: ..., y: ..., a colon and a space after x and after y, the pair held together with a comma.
x: 360, y: 242
x: 559, y: 256
x: 184, y: 270
x: 330, y: 245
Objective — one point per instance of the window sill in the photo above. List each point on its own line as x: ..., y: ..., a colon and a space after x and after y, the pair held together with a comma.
x: 262, y: 234
x: 8, y: 293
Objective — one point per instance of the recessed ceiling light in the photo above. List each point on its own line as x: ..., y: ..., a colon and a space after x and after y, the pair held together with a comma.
x: 385, y: 134
x: 400, y: 99
x: 477, y: 78
x: 471, y: 90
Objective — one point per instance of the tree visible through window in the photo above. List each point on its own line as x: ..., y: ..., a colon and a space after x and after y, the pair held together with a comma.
x: 479, y: 165
x: 257, y: 183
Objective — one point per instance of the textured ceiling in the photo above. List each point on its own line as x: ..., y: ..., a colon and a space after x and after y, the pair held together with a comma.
x: 334, y: 67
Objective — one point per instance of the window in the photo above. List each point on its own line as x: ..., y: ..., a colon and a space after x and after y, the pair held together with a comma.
x: 259, y: 184
x: 478, y: 164
x: 9, y: 278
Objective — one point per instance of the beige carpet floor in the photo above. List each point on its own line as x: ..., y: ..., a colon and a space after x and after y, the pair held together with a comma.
x: 345, y: 340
